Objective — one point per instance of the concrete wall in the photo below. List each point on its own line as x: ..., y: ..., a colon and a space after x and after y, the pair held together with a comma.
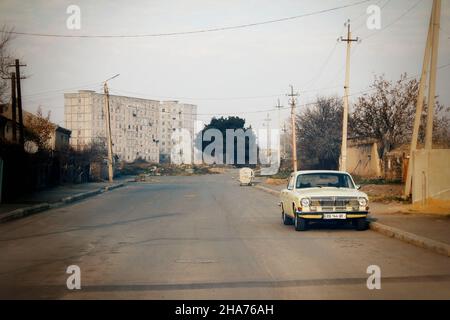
x: 363, y: 160
x: 430, y: 175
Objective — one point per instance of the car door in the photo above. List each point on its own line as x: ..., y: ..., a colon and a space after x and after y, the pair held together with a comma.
x: 286, y: 195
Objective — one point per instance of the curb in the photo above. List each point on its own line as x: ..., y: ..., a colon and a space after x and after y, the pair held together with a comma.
x: 411, y: 238
x: 28, y: 211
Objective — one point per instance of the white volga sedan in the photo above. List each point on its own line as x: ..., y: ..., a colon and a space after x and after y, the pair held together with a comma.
x: 323, y: 195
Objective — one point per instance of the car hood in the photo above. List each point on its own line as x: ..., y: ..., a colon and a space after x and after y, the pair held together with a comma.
x: 330, y: 192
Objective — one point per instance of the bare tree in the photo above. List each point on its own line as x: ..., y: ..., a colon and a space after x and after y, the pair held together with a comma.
x: 5, y: 39
x: 319, y: 133
x: 388, y: 113
x: 97, y: 150
x: 441, y: 128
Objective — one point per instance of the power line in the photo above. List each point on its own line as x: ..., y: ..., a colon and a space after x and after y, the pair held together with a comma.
x: 62, y: 89
x: 313, y: 80
x: 372, y: 34
x: 217, y: 98
x: 322, y: 68
x: 272, y: 109
x: 194, y: 98
x: 216, y: 29
x: 88, y: 86
x: 341, y: 69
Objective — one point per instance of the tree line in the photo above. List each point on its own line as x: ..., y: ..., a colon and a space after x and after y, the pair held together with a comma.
x: 385, y: 113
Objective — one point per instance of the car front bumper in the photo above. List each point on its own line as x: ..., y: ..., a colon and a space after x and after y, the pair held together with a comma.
x: 320, y: 215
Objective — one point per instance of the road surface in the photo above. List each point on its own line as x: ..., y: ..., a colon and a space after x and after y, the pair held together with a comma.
x: 204, y: 237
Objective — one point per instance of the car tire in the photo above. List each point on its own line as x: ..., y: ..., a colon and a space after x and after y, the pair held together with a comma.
x: 284, y: 218
x: 300, y: 224
x: 361, y: 224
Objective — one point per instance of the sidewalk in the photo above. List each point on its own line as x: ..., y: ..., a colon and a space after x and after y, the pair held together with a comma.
x: 426, y: 230
x: 56, y: 196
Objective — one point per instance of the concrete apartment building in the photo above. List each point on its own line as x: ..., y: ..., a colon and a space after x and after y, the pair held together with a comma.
x: 141, y: 128
x: 134, y: 125
x: 174, y: 117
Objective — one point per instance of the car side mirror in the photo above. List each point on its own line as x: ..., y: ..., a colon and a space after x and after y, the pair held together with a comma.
x: 358, y: 187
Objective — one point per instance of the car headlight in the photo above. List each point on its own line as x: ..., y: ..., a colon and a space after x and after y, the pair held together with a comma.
x: 305, y: 202
x: 362, y: 202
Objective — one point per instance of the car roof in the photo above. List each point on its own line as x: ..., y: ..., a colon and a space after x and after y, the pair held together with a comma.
x: 320, y: 171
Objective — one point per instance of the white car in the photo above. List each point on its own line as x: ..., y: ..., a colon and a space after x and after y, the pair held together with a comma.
x: 323, y: 195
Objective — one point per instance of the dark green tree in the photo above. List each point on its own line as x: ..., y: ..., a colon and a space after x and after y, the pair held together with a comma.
x: 222, y: 124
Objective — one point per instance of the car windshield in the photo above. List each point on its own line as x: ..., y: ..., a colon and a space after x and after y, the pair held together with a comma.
x: 318, y: 180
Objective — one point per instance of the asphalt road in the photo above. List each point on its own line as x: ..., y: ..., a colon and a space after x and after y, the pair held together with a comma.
x: 204, y: 237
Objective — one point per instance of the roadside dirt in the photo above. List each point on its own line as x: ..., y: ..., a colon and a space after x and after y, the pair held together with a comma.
x: 383, y: 192
x: 275, y: 182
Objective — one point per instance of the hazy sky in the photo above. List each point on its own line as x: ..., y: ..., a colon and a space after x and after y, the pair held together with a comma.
x: 232, y: 71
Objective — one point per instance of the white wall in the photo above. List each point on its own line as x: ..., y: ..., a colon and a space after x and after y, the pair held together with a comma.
x: 431, y: 174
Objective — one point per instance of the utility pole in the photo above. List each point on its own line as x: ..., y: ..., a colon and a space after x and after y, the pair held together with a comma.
x: 432, y: 81
x: 279, y: 106
x: 13, y: 106
x: 108, y: 134
x: 19, y: 101
x: 17, y: 65
x: 108, y: 130
x: 268, y: 151
x: 16, y: 100
x: 419, y: 104
x: 429, y: 60
x: 349, y: 40
x: 292, y: 101
x: 284, y: 140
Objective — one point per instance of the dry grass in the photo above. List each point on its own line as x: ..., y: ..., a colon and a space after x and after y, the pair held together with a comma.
x: 276, y: 182
x: 384, y: 192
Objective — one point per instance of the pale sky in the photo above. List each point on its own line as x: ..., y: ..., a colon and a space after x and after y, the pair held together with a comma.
x: 232, y: 71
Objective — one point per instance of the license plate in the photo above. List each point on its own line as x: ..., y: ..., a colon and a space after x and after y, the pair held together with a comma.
x: 334, y: 216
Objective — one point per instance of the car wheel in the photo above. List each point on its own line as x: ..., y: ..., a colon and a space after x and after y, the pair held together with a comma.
x: 284, y: 218
x: 361, y: 224
x: 300, y: 223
